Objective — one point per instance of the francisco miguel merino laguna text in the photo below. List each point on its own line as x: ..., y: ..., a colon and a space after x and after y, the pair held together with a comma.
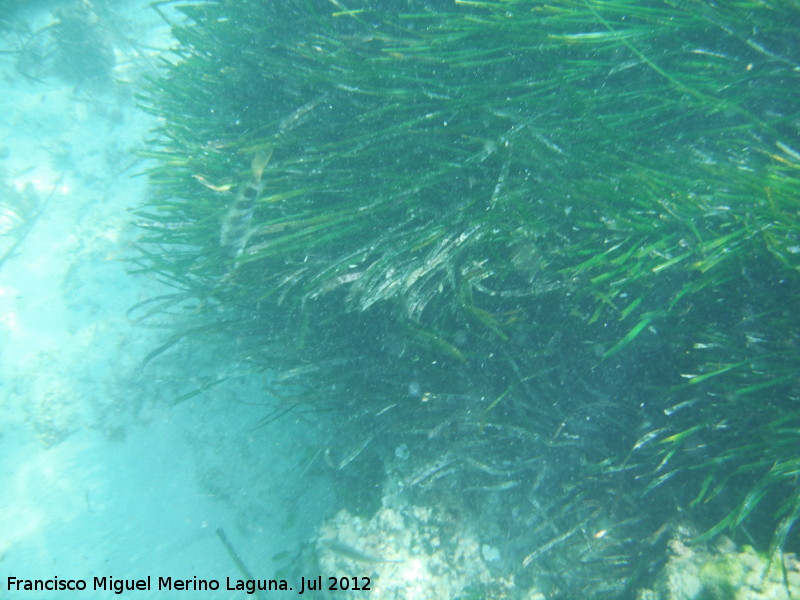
x: 118, y: 586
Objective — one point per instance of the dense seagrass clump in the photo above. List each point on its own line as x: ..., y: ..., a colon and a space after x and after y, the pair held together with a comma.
x: 551, y: 248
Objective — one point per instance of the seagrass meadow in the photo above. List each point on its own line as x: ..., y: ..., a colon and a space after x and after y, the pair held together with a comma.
x: 541, y: 260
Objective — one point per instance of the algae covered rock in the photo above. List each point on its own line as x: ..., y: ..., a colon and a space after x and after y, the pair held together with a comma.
x: 410, y: 552
x: 725, y: 574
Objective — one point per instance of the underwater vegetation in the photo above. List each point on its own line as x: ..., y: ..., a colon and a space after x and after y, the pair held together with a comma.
x: 79, y: 45
x: 541, y: 259
x: 19, y: 210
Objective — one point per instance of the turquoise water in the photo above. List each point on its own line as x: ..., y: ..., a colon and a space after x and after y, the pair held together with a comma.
x: 101, y: 475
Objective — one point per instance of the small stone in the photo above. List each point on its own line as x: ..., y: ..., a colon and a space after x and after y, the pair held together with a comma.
x: 402, y: 452
x: 490, y: 553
